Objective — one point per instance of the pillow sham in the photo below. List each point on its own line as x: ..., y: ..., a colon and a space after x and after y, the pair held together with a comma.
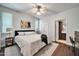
x: 29, y: 33
x: 21, y: 33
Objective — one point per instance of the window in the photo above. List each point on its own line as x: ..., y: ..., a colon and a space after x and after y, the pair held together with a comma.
x: 6, y: 21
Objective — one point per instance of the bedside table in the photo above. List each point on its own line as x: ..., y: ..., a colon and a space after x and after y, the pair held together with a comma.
x: 9, y: 41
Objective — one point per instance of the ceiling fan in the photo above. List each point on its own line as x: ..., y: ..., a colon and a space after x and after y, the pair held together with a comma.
x: 39, y: 9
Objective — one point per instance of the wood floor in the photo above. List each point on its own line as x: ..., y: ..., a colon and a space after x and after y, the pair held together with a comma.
x: 63, y: 50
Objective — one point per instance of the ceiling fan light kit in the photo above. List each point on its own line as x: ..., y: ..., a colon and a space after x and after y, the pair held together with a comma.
x: 39, y: 9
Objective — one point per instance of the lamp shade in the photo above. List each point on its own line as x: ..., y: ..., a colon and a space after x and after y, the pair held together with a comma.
x: 9, y: 29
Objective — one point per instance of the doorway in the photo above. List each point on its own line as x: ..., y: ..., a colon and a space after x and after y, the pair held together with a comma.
x: 60, y: 30
x: 62, y: 34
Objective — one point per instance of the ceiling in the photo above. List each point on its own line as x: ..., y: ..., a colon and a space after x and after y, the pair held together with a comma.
x: 52, y: 8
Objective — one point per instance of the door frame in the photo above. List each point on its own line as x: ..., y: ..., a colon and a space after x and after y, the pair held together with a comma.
x: 57, y: 29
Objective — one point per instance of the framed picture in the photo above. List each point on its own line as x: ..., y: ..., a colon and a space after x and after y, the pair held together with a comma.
x: 25, y: 24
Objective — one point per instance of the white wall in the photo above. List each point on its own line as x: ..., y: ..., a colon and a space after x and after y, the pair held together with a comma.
x: 72, y: 18
x: 19, y: 17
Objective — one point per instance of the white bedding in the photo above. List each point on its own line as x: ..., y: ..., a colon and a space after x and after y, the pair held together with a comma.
x: 29, y: 44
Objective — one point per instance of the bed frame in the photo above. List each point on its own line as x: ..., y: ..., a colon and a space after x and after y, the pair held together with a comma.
x: 16, y: 31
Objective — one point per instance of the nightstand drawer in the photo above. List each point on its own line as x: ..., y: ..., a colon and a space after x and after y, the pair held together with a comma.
x: 9, y: 41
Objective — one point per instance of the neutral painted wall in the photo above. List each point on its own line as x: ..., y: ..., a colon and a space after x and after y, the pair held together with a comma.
x: 72, y: 19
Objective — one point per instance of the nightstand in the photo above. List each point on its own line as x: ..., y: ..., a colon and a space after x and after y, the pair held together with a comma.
x: 9, y: 41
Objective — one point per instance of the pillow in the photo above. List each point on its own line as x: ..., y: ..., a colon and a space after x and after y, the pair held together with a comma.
x: 28, y: 33
x: 21, y: 33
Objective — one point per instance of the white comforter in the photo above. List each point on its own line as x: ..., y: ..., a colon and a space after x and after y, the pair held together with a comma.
x: 29, y: 44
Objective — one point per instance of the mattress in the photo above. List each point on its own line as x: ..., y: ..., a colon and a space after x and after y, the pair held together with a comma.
x: 29, y: 44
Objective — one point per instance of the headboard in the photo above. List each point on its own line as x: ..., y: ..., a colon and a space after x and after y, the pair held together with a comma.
x: 16, y: 31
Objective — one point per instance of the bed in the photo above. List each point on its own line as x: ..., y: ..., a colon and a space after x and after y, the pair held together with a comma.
x: 28, y: 41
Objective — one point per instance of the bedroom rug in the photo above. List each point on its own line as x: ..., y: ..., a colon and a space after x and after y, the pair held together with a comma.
x: 12, y: 51
x: 46, y: 51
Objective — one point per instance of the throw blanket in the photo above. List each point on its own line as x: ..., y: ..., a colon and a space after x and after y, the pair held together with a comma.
x: 44, y: 39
